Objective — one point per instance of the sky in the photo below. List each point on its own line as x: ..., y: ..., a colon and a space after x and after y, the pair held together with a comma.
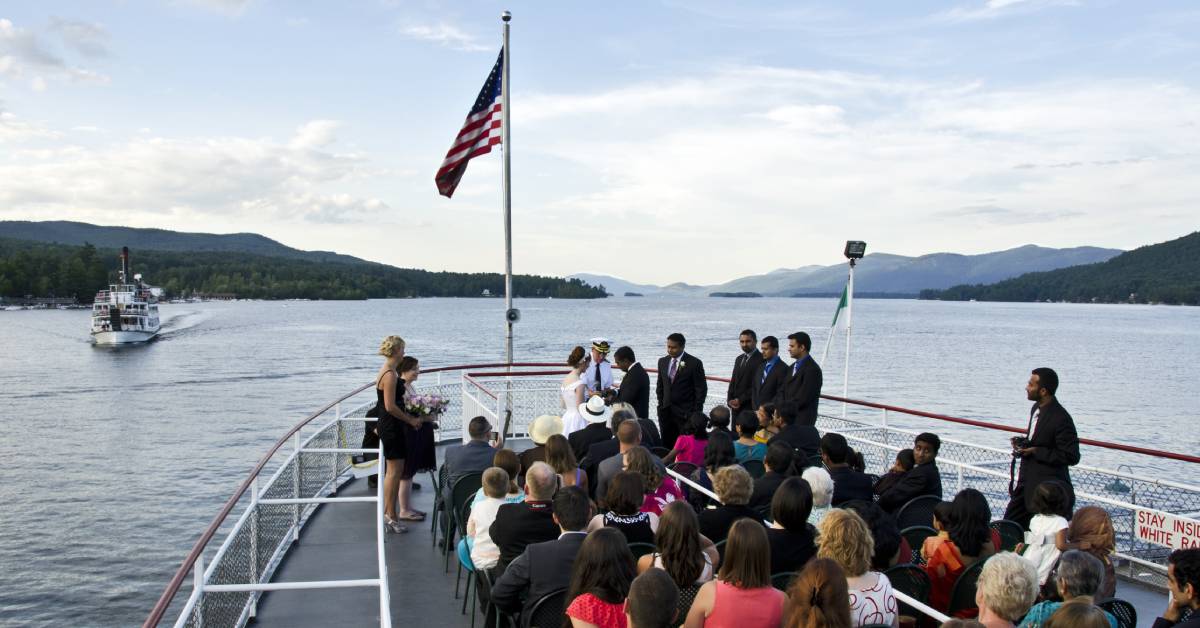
x: 677, y: 140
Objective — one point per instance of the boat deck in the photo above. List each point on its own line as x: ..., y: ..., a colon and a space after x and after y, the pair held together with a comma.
x: 338, y: 542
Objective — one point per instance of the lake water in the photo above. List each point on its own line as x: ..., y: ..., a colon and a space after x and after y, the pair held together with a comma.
x: 113, y: 461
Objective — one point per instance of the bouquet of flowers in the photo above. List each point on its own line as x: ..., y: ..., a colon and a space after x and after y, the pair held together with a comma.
x: 425, y: 405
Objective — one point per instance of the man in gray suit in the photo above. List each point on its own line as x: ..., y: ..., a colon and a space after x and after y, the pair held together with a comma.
x: 473, y: 457
x: 629, y: 435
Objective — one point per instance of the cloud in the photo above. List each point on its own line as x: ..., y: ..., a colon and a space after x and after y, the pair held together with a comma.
x: 232, y: 8
x: 13, y: 129
x: 189, y: 178
x: 443, y: 34
x: 992, y: 9
x: 994, y: 215
x: 87, y: 38
x: 24, y: 55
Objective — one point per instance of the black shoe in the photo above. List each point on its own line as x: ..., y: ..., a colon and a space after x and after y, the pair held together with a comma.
x: 373, y: 481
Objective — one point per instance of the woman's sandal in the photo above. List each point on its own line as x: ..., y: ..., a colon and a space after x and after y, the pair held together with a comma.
x: 395, y: 526
x: 413, y: 516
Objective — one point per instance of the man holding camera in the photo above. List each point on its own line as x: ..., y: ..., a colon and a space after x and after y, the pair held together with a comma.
x: 1048, y: 449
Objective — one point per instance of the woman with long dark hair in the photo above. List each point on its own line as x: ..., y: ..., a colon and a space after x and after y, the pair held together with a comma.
x: 742, y: 595
x: 560, y: 458
x: 686, y: 555
x: 791, y: 538
x: 660, y: 488
x: 970, y: 540
x: 599, y: 582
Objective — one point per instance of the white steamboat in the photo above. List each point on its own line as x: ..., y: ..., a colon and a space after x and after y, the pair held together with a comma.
x: 127, y: 312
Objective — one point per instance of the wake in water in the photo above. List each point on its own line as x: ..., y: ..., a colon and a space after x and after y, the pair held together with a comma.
x: 181, y: 324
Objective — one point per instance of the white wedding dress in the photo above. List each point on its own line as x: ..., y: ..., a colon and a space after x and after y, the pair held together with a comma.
x: 572, y: 420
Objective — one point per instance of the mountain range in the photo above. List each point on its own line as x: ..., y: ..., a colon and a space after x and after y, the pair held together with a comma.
x: 883, y: 274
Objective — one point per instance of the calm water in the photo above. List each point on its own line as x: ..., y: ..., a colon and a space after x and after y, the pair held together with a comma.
x: 113, y: 461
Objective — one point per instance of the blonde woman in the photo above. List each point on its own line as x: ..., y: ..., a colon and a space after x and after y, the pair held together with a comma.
x: 845, y: 538
x: 389, y: 396
x: 573, y: 391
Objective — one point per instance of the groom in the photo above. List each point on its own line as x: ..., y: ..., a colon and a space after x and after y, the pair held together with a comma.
x: 681, y: 388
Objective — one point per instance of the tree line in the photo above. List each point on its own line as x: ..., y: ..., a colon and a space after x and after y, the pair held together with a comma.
x: 1168, y: 272
x: 52, y: 270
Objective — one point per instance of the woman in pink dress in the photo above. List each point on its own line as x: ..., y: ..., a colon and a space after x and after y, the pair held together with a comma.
x: 660, y: 489
x: 742, y: 595
x: 600, y: 581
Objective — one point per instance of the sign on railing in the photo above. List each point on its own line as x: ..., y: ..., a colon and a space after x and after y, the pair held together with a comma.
x: 1165, y: 529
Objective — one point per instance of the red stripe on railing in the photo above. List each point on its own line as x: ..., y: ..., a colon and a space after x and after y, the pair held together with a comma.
x: 479, y: 386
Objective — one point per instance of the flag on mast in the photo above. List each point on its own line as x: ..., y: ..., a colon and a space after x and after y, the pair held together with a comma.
x: 479, y: 133
x: 837, y: 317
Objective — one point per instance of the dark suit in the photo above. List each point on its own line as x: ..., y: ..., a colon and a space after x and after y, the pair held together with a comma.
x: 804, y: 439
x: 849, y: 484
x: 765, y: 388
x: 715, y: 522
x: 597, y: 453
x: 764, y: 491
x: 1057, y: 449
x: 581, y: 440
x: 635, y: 390
x: 541, y: 569
x: 461, y: 460
x: 803, y: 387
x: 923, y: 479
x: 518, y: 525
x: 741, y: 382
x: 679, y: 398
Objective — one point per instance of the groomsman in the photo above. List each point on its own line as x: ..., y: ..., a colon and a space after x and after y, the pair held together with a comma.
x: 769, y: 375
x: 741, y: 383
x: 681, y: 388
x: 803, y: 384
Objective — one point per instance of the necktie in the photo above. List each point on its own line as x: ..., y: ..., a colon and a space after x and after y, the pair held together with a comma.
x: 795, y: 367
x: 597, y: 386
x: 671, y: 374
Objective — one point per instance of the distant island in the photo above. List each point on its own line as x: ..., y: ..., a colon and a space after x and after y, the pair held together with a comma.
x: 60, y: 261
x: 1168, y: 273
x: 634, y: 294
x: 736, y: 295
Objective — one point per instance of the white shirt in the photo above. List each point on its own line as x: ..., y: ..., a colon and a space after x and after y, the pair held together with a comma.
x: 606, y: 376
x: 484, y: 553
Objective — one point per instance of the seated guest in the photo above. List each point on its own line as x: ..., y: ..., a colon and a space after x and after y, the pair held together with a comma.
x: 623, y: 510
x: 560, y: 458
x: 778, y: 463
x: 689, y: 446
x: 733, y: 486
x: 1077, y: 615
x: 969, y: 541
x: 718, y: 452
x: 600, y: 581
x: 941, y: 524
x: 903, y: 463
x: 606, y: 449
x: 531, y: 521
x: 1091, y: 530
x: 790, y: 536
x: 890, y: 548
x: 660, y: 488
x: 848, y: 484
x: 822, y: 489
x: 653, y: 598
x: 769, y: 422
x: 471, y: 457
x: 845, y: 537
x: 818, y: 597
x: 804, y: 439
x: 511, y: 463
x: 742, y: 595
x: 1006, y: 588
x: 483, y: 551
x: 650, y: 435
x: 719, y: 419
x: 745, y: 447
x: 1183, y: 579
x: 1079, y: 577
x: 922, y: 479
x: 597, y: 430
x: 1046, y: 538
x: 629, y: 434
x: 541, y: 429
x: 687, y: 556
x: 546, y: 566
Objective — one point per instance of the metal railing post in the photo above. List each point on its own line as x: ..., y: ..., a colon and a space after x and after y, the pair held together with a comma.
x: 198, y: 585
x: 254, y: 544
x: 338, y: 435
x: 299, y: 470
x: 885, y: 426
x: 960, y: 478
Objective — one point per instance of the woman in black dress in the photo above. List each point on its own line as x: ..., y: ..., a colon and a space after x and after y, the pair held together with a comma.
x: 418, y: 443
x: 389, y: 407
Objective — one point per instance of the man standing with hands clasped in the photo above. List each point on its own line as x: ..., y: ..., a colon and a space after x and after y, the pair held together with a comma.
x: 1048, y: 449
x: 803, y: 384
x: 741, y: 383
x: 681, y: 388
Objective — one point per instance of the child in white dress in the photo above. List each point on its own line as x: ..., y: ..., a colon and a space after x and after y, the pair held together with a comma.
x: 1046, y: 538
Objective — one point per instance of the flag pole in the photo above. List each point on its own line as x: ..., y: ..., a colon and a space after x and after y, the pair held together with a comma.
x: 849, y: 327
x: 506, y: 147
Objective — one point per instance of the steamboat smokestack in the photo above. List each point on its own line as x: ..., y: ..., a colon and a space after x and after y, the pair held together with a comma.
x: 124, y: 264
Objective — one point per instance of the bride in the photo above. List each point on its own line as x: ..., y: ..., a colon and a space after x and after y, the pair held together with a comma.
x: 573, y: 391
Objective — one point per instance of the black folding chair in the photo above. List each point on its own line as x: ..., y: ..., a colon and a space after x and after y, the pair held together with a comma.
x: 660, y: 451
x: 912, y: 581
x: 547, y: 612
x: 641, y: 549
x: 438, y: 505
x: 783, y: 580
x: 687, y: 595
x: 755, y: 468
x: 461, y: 524
x: 1011, y: 533
x: 916, y: 535
x: 917, y: 512
x: 962, y: 596
x: 1125, y: 613
x: 463, y: 491
x: 683, y: 468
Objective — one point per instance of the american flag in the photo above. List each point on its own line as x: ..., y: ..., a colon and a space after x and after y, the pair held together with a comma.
x: 480, y: 132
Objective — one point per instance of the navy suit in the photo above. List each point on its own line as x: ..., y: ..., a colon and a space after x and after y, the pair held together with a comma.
x: 803, y: 387
x: 766, y: 382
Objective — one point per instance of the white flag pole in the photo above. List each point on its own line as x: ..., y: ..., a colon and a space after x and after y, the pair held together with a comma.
x: 506, y: 147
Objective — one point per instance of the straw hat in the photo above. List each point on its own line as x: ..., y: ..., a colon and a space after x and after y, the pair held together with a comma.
x: 594, y: 411
x: 544, y: 427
